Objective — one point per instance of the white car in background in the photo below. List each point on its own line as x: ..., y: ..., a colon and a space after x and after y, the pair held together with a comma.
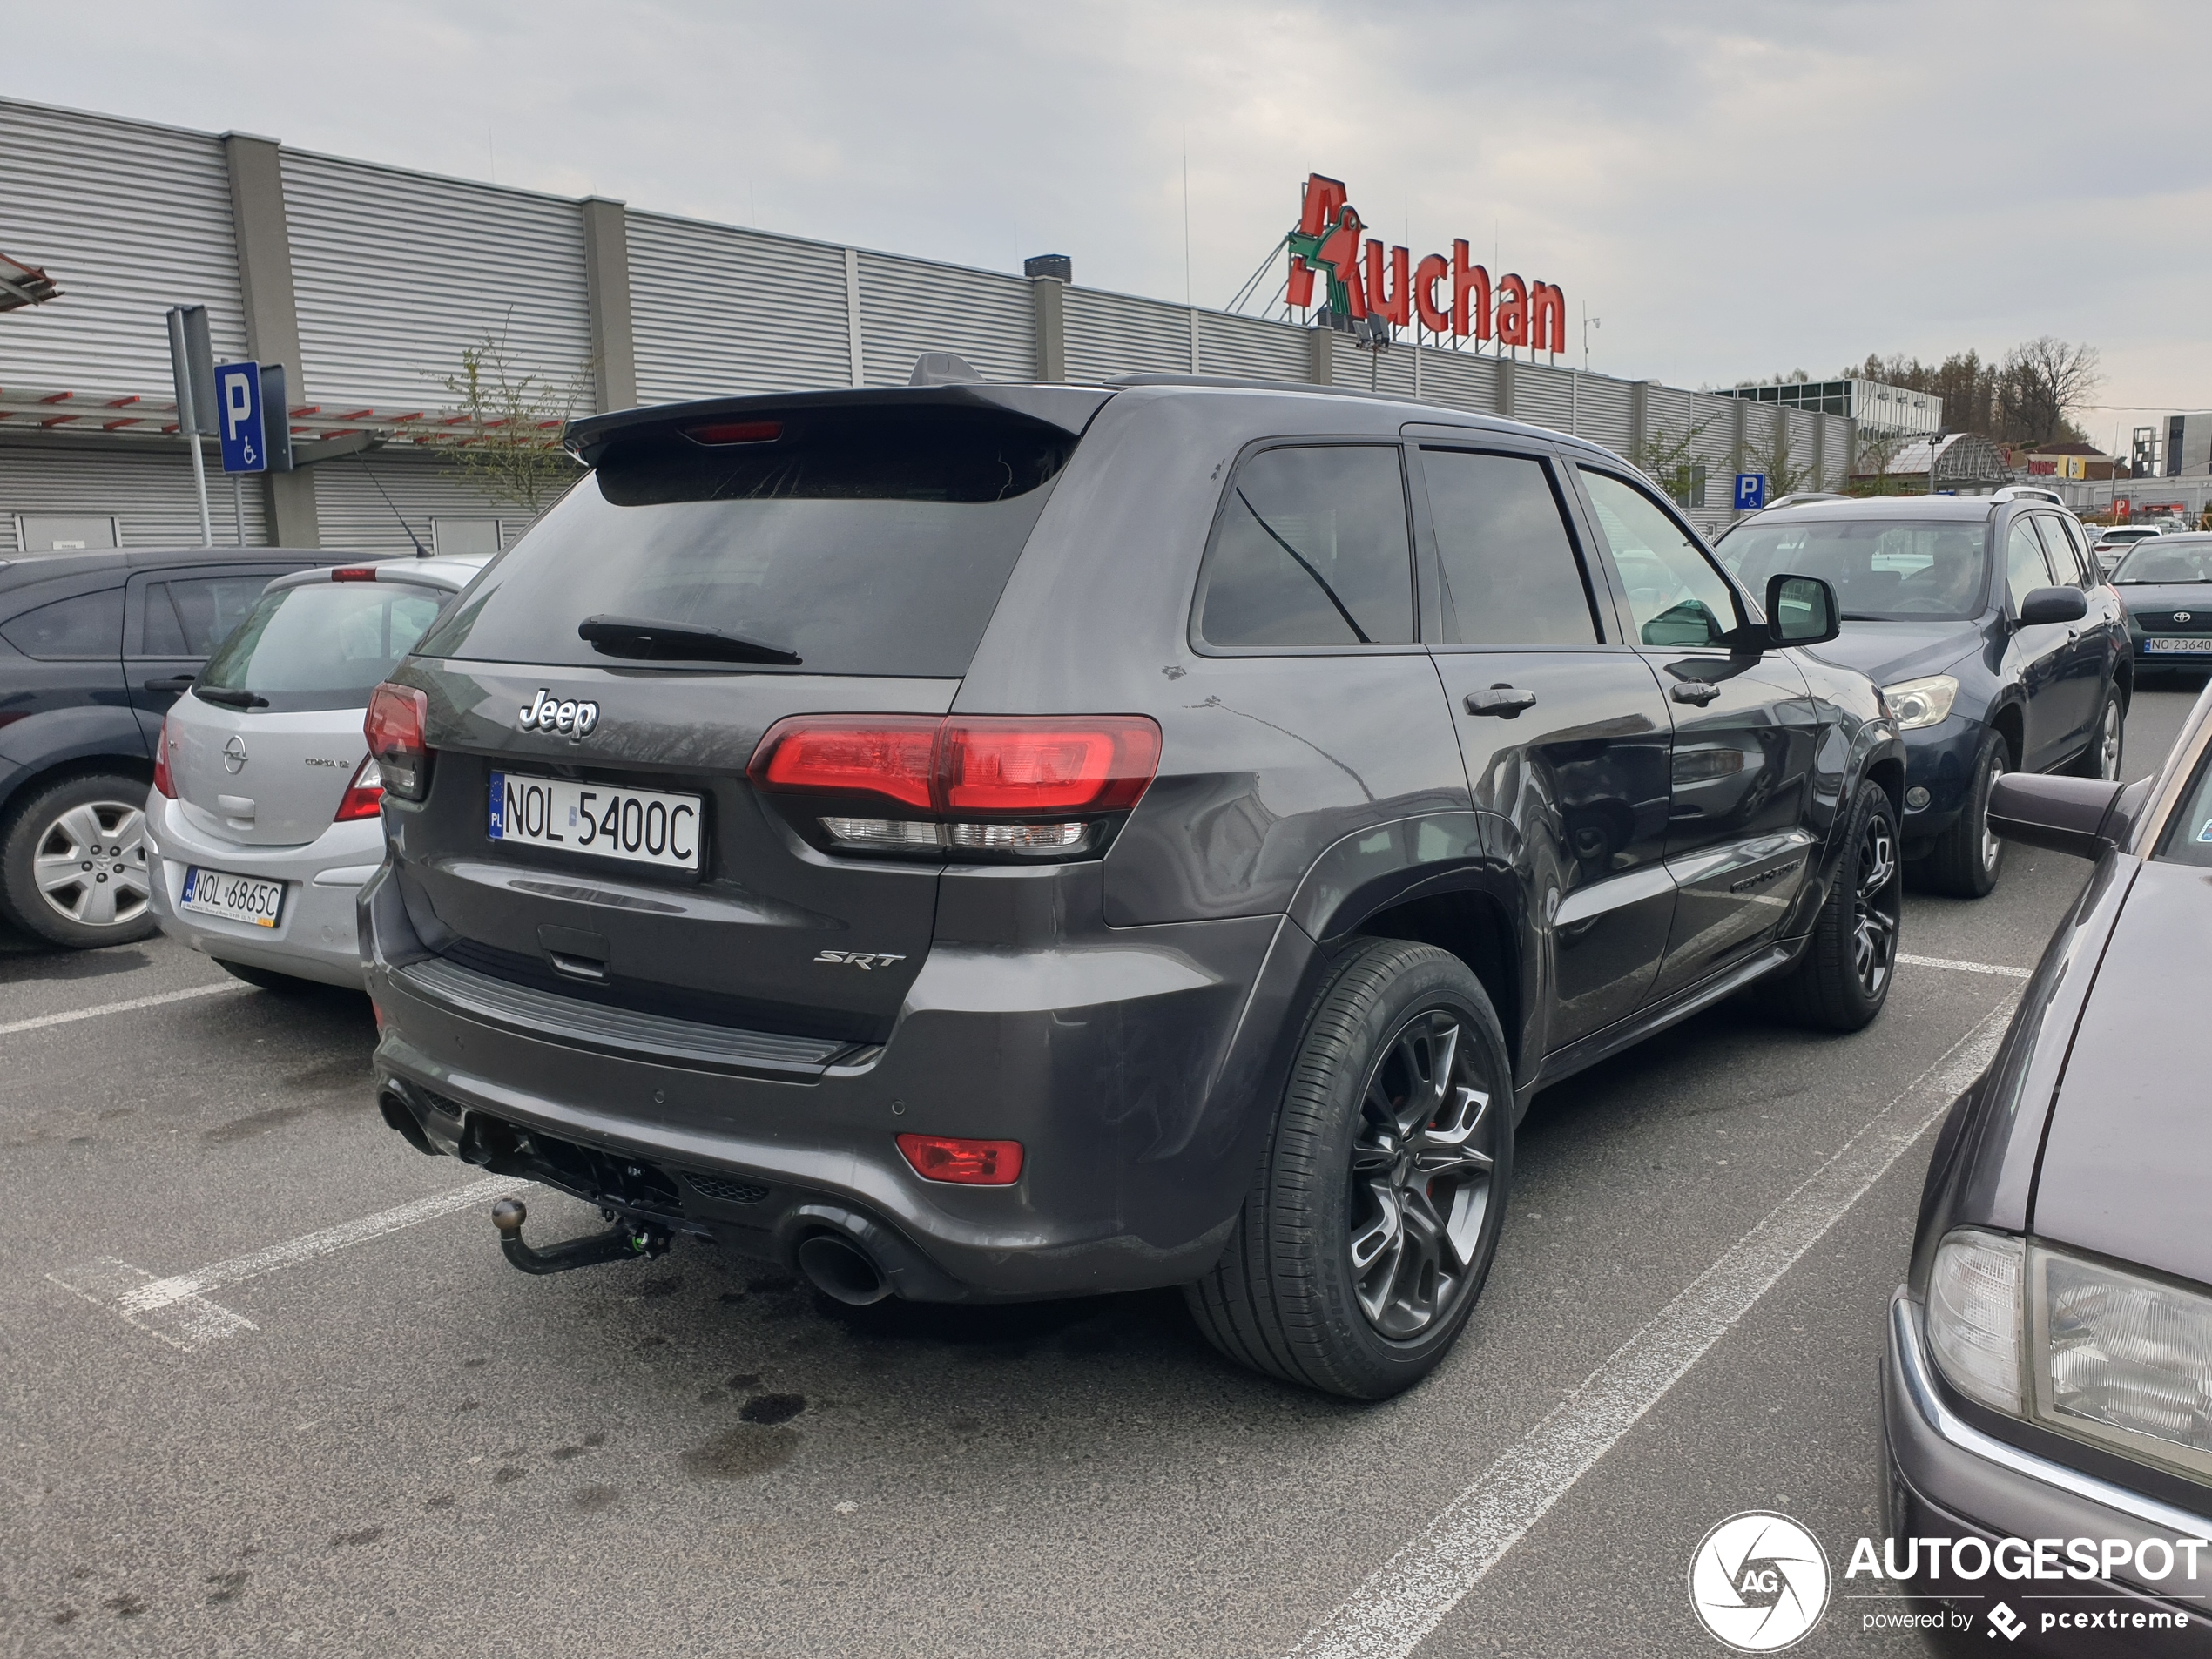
x: 263, y: 820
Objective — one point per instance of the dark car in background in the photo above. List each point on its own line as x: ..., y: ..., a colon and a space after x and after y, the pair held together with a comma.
x: 94, y: 647
x: 1996, y: 646
x: 2166, y: 583
x: 2049, y: 1370
x: 977, y: 841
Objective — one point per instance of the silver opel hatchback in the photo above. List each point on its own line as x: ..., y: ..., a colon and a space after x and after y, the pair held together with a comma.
x: 262, y: 825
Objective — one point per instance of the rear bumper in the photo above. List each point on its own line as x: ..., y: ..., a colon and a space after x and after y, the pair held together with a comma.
x: 1947, y: 1480
x: 1137, y: 1072
x: 315, y: 938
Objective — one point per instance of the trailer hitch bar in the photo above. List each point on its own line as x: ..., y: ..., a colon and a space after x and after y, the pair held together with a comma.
x: 625, y: 1241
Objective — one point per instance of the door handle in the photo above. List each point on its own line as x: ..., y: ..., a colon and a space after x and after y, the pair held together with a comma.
x: 1698, y: 691
x: 178, y: 683
x: 1504, y: 701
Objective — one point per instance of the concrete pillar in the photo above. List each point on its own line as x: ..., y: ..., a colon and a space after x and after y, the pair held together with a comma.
x: 1320, y: 354
x: 1639, y: 420
x: 856, y: 345
x: 606, y: 287
x: 1819, y: 451
x: 1851, y: 451
x: 1739, y: 419
x: 1048, y: 310
x: 271, y: 312
x: 1506, y: 367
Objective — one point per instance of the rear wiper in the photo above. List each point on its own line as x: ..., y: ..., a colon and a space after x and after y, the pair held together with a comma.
x: 678, y: 641
x: 229, y: 698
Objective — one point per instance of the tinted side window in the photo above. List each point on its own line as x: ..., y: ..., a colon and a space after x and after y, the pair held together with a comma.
x: 2066, y: 558
x: 190, y: 617
x: 1675, y: 596
x: 1507, y: 572
x: 89, y: 626
x: 1312, y: 550
x: 2024, y: 570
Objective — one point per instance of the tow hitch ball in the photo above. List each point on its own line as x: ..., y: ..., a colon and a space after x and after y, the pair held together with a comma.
x: 625, y: 1241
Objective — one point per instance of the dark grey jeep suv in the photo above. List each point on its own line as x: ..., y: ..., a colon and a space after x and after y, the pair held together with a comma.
x: 978, y: 841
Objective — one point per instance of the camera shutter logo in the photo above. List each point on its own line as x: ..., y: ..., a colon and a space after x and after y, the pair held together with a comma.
x: 1759, y: 1582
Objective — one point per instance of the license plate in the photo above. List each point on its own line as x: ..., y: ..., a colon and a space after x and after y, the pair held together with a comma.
x: 640, y: 826
x: 236, y: 898
x: 2196, y: 644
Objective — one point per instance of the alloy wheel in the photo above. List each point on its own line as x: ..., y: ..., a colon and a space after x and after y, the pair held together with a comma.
x: 1422, y: 1162
x: 2108, y: 743
x: 1993, y: 844
x: 90, y: 866
x: 1875, y: 906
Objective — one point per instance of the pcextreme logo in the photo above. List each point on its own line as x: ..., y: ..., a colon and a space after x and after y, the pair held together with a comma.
x: 1759, y: 1582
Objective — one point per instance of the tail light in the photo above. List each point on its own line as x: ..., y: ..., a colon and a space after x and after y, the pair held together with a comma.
x: 1046, y: 786
x: 397, y: 715
x: 162, y: 781
x: 364, y: 796
x: 354, y: 573
x: 965, y: 1162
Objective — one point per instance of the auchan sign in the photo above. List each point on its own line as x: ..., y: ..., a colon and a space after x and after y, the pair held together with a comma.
x: 1366, y: 280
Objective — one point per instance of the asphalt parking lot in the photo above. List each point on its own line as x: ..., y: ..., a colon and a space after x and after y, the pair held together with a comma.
x: 241, y: 1423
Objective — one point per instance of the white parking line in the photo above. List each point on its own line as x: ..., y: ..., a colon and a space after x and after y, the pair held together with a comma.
x: 1964, y: 967
x: 1393, y: 1612
x: 186, y: 995
x: 176, y: 1308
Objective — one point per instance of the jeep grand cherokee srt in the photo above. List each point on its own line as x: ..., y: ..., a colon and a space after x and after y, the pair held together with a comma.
x: 986, y: 842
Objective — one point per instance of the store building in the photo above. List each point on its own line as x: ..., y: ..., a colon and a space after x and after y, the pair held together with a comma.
x: 1883, y: 411
x: 367, y: 282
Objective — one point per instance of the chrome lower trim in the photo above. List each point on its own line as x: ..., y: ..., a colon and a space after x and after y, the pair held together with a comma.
x: 1920, y: 1387
x: 653, y: 1037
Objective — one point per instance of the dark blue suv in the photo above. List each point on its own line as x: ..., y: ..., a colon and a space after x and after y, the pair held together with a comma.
x: 1996, y: 642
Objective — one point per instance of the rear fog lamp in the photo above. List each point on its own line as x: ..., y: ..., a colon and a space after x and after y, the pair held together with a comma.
x: 961, y: 1162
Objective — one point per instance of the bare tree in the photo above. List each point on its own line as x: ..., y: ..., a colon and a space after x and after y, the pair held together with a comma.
x: 2044, y: 381
x: 1781, y: 478
x: 1878, y: 453
x: 1671, y: 459
x: 509, y: 445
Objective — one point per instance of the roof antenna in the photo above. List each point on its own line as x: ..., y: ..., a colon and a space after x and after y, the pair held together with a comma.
x: 421, y: 552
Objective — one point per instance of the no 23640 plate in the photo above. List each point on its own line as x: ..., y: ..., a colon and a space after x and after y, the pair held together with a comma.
x: 640, y: 826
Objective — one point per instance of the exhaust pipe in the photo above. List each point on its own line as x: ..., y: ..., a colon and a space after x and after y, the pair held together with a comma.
x: 400, y: 1116
x: 841, y: 1270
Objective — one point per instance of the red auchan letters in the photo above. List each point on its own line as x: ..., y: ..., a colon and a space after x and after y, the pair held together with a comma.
x: 1386, y: 283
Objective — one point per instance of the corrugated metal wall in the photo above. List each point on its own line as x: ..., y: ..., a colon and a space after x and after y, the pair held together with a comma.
x: 716, y: 310
x: 1250, y: 348
x: 351, y: 498
x: 1118, y: 333
x: 908, y: 307
x: 1603, y: 411
x: 397, y: 272
x: 129, y: 220
x: 147, y: 485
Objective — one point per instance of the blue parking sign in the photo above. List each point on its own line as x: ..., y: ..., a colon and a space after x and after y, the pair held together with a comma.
x: 237, y: 417
x: 1750, y: 491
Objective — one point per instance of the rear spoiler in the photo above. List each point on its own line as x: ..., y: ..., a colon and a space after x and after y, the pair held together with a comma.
x: 1068, y: 407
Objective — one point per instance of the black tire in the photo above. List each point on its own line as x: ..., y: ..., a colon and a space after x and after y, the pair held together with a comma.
x: 268, y: 979
x: 1966, y: 859
x: 1843, y: 979
x: 2107, y: 751
x: 90, y: 826
x: 1287, y: 1298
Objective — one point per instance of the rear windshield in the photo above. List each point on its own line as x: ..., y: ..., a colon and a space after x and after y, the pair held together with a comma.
x: 2157, y: 559
x: 1882, y: 570
x: 860, y: 542
x: 322, y: 647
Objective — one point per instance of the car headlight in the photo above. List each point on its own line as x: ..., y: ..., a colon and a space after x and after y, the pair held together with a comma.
x: 2090, y: 1351
x: 1974, y: 1315
x: 2122, y: 1360
x: 1921, y: 702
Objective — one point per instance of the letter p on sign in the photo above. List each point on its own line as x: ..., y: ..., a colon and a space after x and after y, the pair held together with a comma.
x: 1750, y: 491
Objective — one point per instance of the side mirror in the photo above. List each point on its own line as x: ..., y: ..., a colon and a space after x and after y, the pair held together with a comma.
x: 2053, y: 605
x: 2079, y: 816
x: 1801, y: 611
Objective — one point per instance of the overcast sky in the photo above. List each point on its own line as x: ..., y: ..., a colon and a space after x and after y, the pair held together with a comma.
x: 1735, y: 189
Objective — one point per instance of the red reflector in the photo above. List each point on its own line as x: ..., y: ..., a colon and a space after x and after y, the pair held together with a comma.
x: 393, y: 726
x: 162, y: 781
x: 1047, y: 766
x: 354, y: 573
x: 968, y: 1164
x: 736, y: 432
x: 890, y: 755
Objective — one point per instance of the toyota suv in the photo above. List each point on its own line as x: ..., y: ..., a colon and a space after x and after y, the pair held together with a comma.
x: 978, y: 841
